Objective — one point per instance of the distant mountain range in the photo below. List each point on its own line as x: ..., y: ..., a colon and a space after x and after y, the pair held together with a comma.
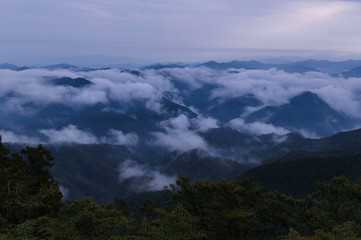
x: 296, y: 172
x: 330, y: 67
x: 305, y: 111
x: 131, y: 130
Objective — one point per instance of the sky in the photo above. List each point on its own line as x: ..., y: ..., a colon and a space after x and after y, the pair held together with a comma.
x: 40, y: 31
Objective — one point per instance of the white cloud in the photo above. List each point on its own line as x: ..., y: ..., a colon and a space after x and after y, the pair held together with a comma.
x: 204, y: 123
x: 181, y: 122
x: 193, y: 77
x: 69, y: 133
x: 156, y: 181
x: 257, y: 128
x: 11, y: 137
x: 119, y: 138
x: 109, y: 85
x: 341, y: 99
x: 178, y: 136
x: 308, y: 134
x: 271, y: 87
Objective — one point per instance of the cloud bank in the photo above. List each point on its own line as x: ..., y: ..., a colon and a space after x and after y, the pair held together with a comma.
x: 272, y: 87
x: 27, y: 93
x: 275, y: 87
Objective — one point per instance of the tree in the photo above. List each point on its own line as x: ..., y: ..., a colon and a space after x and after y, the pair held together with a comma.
x: 28, y: 190
x: 338, y: 202
x: 236, y: 209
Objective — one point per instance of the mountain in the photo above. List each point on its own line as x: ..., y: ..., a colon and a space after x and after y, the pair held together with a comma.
x: 88, y: 169
x: 336, y: 155
x: 329, y: 66
x: 61, y: 66
x: 249, y: 65
x: 12, y: 67
x: 296, y: 68
x: 100, y: 120
x: 162, y: 66
x: 226, y: 110
x: 160, y: 122
x: 246, y: 148
x: 197, y: 165
x: 305, y: 111
x: 176, y: 109
x: 72, y: 82
x: 304, y: 66
x: 354, y: 72
x: 235, y: 64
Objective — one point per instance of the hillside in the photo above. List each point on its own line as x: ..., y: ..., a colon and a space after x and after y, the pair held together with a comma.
x: 296, y: 172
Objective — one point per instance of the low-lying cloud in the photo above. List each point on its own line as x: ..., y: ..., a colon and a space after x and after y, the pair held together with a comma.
x: 256, y: 128
x: 178, y: 136
x: 71, y: 134
x: 119, y: 138
x: 275, y: 87
x: 271, y: 87
x: 154, y: 179
x: 27, y: 92
x: 11, y: 137
x: 35, y: 86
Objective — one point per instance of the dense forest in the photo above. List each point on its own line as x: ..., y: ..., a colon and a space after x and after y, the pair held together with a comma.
x: 31, y: 207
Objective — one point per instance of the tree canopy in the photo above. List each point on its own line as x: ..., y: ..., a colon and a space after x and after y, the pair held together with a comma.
x: 31, y: 208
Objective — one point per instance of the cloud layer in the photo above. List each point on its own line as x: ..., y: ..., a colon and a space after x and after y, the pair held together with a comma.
x: 26, y: 93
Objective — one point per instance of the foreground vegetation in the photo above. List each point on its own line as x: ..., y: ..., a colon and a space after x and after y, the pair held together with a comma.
x: 31, y: 208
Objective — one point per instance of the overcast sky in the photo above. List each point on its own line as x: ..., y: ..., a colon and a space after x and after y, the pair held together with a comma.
x: 177, y: 30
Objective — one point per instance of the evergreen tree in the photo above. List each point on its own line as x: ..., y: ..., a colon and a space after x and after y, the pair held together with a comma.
x: 28, y: 190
